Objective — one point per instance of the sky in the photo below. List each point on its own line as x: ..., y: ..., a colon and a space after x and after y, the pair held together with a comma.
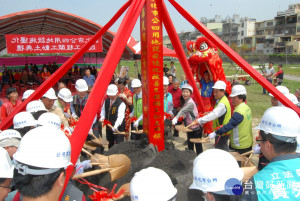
x: 101, y: 11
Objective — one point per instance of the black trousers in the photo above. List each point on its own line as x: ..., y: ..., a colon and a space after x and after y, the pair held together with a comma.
x: 191, y: 145
x: 113, y: 138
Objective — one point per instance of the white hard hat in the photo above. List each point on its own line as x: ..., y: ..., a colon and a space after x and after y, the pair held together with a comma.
x: 65, y: 94
x: 81, y: 85
x: 135, y: 83
x: 35, y: 106
x: 291, y: 97
x: 187, y: 86
x: 280, y: 121
x: 151, y: 184
x: 27, y: 93
x: 219, y: 85
x: 282, y: 89
x: 6, y: 167
x: 206, y: 171
x: 43, y: 147
x: 50, y: 94
x: 238, y: 90
x: 24, y: 119
x: 166, y: 81
x: 9, y: 133
x: 49, y: 119
x: 112, y: 90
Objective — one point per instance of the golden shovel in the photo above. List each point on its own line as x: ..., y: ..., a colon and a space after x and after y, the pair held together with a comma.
x: 117, y: 165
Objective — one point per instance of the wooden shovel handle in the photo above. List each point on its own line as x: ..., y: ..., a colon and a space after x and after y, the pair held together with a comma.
x: 85, y: 151
x: 98, y: 164
x: 118, y: 132
x: 247, y: 161
x: 92, y: 134
x: 91, y: 173
x: 247, y: 153
x: 192, y: 124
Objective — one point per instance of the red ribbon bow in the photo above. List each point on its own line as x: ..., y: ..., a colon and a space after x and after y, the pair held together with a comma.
x: 106, y: 122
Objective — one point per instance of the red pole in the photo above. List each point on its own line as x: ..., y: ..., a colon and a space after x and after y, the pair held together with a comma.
x: 235, y: 57
x: 54, y: 78
x: 109, y: 65
x: 180, y: 53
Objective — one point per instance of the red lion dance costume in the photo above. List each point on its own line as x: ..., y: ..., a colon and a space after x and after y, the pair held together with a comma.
x: 204, y: 53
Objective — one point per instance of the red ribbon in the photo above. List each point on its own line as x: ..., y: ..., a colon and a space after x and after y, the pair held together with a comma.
x: 168, y: 116
x: 103, y: 194
x: 132, y: 119
x: 106, y: 122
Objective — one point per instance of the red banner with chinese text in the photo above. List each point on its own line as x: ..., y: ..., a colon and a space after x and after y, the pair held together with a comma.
x: 27, y: 44
x: 152, y: 73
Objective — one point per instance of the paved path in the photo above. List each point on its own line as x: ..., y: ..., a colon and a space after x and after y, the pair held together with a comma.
x: 291, y: 77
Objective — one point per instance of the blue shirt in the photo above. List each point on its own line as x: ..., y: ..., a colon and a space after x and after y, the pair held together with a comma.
x: 206, y: 89
x: 89, y: 80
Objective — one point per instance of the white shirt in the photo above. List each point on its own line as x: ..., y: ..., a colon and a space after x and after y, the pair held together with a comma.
x: 216, y: 113
x: 121, y: 114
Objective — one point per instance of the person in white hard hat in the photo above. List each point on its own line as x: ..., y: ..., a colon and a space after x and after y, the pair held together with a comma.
x: 48, y: 100
x: 137, y: 107
x: 26, y: 94
x: 113, y: 110
x: 168, y: 99
x: 24, y: 122
x: 284, y: 90
x: 292, y: 98
x: 63, y: 101
x: 279, y: 128
x: 79, y: 100
x: 49, y: 119
x: 6, y: 173
x: 241, y: 139
x: 10, y: 140
x: 216, y: 184
x: 190, y: 112
x: 36, y: 108
x: 152, y: 184
x: 40, y: 171
x: 220, y: 115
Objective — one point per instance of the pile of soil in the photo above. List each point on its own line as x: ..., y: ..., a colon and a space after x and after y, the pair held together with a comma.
x: 177, y: 164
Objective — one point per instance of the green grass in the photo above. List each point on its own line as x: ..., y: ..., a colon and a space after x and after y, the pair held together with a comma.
x: 257, y: 102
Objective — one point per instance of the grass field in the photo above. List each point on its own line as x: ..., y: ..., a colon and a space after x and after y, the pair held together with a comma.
x: 257, y: 102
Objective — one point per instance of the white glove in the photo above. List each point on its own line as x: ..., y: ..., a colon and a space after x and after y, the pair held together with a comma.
x: 256, y: 149
x: 115, y: 129
x: 122, y: 95
x: 83, y: 166
x: 174, y: 121
x: 131, y: 115
x: 90, y: 131
x: 212, y: 135
x: 136, y: 124
x: 75, y: 116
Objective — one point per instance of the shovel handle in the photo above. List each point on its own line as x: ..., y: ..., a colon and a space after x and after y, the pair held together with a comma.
x: 85, y: 151
x: 247, y: 153
x: 92, y: 134
x: 247, y: 161
x: 98, y: 164
x: 192, y: 124
x: 91, y: 173
x: 118, y: 132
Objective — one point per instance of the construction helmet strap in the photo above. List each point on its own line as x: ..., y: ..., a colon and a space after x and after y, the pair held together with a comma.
x: 25, y: 170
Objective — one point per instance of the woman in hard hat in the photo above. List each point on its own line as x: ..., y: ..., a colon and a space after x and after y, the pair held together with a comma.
x: 190, y: 113
x: 152, y: 184
x: 219, y: 179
